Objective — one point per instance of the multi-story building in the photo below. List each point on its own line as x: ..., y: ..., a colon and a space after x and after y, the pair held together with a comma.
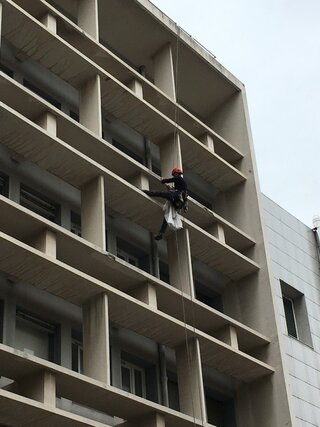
x: 101, y: 325
x: 294, y: 250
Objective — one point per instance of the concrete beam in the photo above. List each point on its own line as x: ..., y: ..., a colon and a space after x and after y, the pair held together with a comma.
x: 50, y: 22
x: 88, y: 17
x: 228, y: 335
x: 90, y: 105
x: 180, y: 264
x: 146, y: 293
x: 93, y: 212
x: 136, y: 87
x: 96, y: 355
x: 164, y: 75
x: 40, y: 387
x: 190, y: 381
x: 45, y: 242
x: 170, y: 155
x: 48, y: 122
x: 207, y: 140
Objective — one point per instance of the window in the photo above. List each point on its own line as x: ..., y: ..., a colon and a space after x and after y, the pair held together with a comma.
x: 1, y: 320
x: 76, y: 223
x: 164, y: 272
x: 4, y: 185
x: 173, y: 392
x: 74, y: 116
x: 133, y: 254
x: 208, y: 296
x: 77, y: 352
x: 129, y: 151
x: 39, y: 204
x: 290, y: 316
x: 36, y: 336
x: 296, y: 315
x: 42, y: 93
x: 220, y: 410
x: 133, y: 379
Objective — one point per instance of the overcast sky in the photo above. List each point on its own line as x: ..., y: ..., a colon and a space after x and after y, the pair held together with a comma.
x: 273, y: 47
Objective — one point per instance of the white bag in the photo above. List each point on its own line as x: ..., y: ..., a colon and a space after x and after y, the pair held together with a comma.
x: 172, y: 217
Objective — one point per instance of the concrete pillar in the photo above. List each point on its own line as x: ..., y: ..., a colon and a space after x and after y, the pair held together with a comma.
x: 45, y: 242
x: 48, y: 122
x: 90, y: 105
x: 96, y: 357
x: 40, y: 387
x: 217, y: 231
x: 164, y: 73
x: 228, y: 335
x: 190, y: 381
x: 140, y: 181
x: 180, y: 264
x: 170, y: 155
x: 136, y: 87
x: 146, y: 293
x: 93, y: 212
x: 50, y: 22
x: 88, y: 17
x: 151, y: 420
x: 207, y: 140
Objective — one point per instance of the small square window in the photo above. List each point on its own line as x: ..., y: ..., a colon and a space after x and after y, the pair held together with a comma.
x: 296, y: 314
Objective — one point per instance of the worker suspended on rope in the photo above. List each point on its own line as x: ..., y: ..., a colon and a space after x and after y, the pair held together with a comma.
x: 177, y: 201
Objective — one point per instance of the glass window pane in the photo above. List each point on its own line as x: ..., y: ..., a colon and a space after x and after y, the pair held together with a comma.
x: 125, y: 378
x: 138, y: 390
x: 289, y: 313
x: 31, y: 339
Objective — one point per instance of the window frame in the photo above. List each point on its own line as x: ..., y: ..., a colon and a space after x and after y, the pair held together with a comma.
x: 132, y: 368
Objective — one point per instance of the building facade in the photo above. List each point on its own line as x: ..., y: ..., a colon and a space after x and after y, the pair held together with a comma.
x: 296, y: 279
x: 99, y: 324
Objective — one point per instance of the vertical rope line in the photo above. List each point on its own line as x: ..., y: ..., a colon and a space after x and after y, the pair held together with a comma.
x: 189, y: 354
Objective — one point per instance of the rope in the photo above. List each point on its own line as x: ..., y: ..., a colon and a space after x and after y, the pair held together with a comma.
x: 189, y: 353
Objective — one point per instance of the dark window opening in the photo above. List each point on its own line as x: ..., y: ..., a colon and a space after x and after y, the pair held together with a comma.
x: 200, y: 199
x: 4, y: 185
x: 40, y: 204
x: 209, y: 297
x: 127, y: 151
x: 164, y: 272
x: 290, y: 316
x: 77, y: 352
x: 76, y: 223
x: 6, y: 70
x: 1, y: 320
x: 133, y: 255
x: 74, y: 116
x: 36, y: 336
x: 173, y: 392
x: 220, y: 411
x: 42, y: 93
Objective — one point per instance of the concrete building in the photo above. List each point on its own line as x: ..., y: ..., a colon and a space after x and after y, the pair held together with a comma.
x: 296, y: 278
x: 99, y: 324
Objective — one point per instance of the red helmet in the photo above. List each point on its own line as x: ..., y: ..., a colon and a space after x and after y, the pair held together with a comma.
x: 177, y: 170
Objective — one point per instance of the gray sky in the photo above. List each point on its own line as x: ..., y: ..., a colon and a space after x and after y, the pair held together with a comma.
x: 273, y: 47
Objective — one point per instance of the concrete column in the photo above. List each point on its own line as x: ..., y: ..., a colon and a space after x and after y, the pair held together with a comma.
x: 48, y: 122
x: 45, y: 242
x: 228, y: 335
x: 217, y: 231
x: 146, y: 293
x: 50, y: 22
x: 152, y: 420
x: 180, y: 264
x: 164, y: 75
x: 190, y: 381
x: 90, y: 105
x: 170, y: 155
x: 207, y: 140
x: 140, y: 181
x: 96, y: 357
x: 136, y: 87
x: 88, y: 17
x: 40, y: 387
x: 93, y: 212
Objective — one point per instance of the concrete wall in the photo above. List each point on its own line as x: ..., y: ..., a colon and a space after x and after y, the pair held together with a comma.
x: 294, y: 261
